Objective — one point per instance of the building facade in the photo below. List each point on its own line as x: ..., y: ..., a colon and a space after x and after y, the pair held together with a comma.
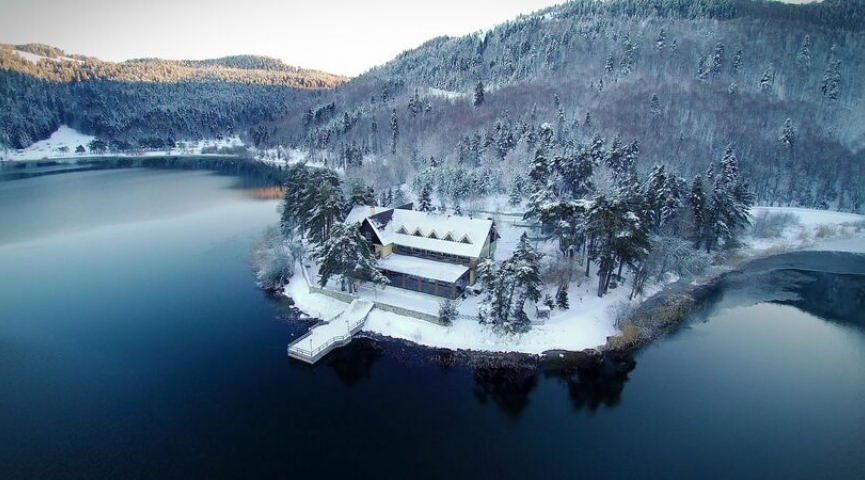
x: 437, y: 254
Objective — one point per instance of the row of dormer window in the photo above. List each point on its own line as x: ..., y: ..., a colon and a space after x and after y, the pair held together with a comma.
x: 448, y: 237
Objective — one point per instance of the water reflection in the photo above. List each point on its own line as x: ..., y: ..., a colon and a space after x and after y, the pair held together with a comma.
x: 597, y: 384
x: 352, y: 364
x: 837, y: 297
x: 507, y: 387
x: 250, y: 174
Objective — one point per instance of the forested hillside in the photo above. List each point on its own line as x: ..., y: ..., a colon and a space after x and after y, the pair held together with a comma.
x: 50, y: 63
x: 680, y: 81
x: 146, y: 100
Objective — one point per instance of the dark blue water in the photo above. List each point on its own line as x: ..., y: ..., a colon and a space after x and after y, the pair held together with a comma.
x: 134, y: 344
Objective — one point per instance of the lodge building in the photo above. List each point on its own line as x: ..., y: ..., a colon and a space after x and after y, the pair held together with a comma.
x: 431, y: 253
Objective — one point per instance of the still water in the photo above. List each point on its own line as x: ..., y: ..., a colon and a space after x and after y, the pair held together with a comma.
x: 134, y: 344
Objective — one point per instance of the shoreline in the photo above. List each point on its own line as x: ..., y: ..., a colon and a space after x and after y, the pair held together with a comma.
x: 665, y: 311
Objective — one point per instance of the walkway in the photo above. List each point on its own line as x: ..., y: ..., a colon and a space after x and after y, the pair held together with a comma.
x: 331, y: 334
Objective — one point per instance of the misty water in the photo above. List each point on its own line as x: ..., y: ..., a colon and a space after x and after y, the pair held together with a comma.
x: 134, y: 344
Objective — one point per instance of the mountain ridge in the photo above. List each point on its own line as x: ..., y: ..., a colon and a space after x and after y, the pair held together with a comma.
x: 54, y: 64
x: 683, y: 80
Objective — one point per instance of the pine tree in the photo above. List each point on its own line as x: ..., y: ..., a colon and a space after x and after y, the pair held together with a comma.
x: 655, y: 105
x: 479, y: 94
x: 347, y: 255
x: 346, y: 123
x: 562, y: 297
x: 495, y: 308
x: 737, y: 61
x: 526, y: 267
x: 447, y: 312
x: 702, y: 69
x: 394, y: 129
x: 374, y: 134
x: 717, y: 61
x: 587, y: 124
x: 415, y: 106
x: 328, y: 212
x: 399, y: 197
x: 631, y: 243
x: 515, y: 196
x: 726, y: 212
x: 804, y: 57
x: 361, y: 195
x: 425, y: 202
x: 549, y: 302
x: 601, y: 223
x: 788, y: 143
x: 508, y: 286
x: 293, y: 209
x: 627, y: 63
x: 539, y: 171
x: 655, y: 194
x: 697, y: 202
x: 830, y: 85
x: 661, y: 42
x: 673, y: 193
x: 523, y: 269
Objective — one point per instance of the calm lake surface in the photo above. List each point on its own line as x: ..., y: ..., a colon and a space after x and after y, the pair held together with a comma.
x: 134, y: 344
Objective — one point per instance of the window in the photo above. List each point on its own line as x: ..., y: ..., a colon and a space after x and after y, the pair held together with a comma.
x: 449, y: 237
x: 433, y: 235
x: 417, y: 232
x: 402, y: 230
x: 465, y: 239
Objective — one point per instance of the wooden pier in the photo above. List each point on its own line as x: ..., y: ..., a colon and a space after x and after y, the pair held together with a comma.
x: 326, y: 336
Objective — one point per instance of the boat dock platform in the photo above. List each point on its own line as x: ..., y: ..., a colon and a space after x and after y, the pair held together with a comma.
x: 326, y: 336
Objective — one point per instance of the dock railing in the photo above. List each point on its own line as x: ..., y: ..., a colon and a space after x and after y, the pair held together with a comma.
x: 312, y: 355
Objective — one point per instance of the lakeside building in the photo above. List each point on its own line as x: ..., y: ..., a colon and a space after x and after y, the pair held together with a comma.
x: 425, y: 252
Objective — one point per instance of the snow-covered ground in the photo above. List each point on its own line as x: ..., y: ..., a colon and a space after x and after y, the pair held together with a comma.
x: 588, y: 322
x: 450, y: 95
x: 283, y: 156
x: 62, y: 145
x: 816, y: 230
x: 34, y: 58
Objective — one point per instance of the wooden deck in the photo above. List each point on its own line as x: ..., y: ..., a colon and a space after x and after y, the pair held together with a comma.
x: 329, y: 335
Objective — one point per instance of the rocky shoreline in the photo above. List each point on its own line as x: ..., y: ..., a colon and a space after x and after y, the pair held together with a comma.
x: 655, y: 318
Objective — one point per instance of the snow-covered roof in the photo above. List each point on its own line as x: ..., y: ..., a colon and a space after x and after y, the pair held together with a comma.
x: 421, y: 267
x: 440, y: 233
x: 362, y: 212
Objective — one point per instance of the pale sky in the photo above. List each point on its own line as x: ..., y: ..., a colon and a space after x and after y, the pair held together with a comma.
x: 338, y: 36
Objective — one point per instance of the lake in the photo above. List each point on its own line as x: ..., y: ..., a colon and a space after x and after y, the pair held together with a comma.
x: 134, y: 344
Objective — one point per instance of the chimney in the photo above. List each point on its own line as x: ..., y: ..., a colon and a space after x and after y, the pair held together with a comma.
x: 371, y: 210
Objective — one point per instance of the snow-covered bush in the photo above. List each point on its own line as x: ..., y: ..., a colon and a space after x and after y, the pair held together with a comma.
x: 772, y: 224
x: 447, y: 312
x: 273, y: 258
x: 621, y: 311
x: 825, y: 230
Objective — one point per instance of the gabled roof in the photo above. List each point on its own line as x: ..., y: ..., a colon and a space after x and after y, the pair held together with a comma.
x: 422, y: 267
x: 467, y: 236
